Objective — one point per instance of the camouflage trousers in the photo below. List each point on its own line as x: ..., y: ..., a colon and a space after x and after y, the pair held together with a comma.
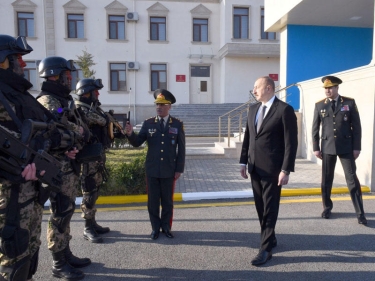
x: 58, y: 234
x: 30, y: 215
x: 91, y: 179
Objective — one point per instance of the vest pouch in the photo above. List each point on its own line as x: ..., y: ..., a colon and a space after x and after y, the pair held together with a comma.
x: 14, y: 241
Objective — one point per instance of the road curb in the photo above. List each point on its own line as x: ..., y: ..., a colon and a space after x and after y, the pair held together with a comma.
x: 179, y: 197
x: 221, y: 195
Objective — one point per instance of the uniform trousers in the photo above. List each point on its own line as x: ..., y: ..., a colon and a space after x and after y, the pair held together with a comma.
x: 267, y: 201
x: 160, y: 191
x: 328, y: 172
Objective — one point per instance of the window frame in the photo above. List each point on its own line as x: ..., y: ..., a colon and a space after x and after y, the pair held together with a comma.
x: 111, y: 71
x: 27, y: 24
x: 27, y: 70
x: 262, y: 32
x: 240, y: 23
x: 75, y: 26
x: 116, y: 26
x: 200, y: 30
x: 158, y: 24
x: 157, y: 72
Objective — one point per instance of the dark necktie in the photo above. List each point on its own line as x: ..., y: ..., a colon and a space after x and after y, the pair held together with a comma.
x: 333, y: 105
x: 261, y: 117
x: 162, y: 124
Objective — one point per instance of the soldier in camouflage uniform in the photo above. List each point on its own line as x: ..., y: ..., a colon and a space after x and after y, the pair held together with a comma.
x: 55, y: 96
x: 21, y: 203
x: 92, y: 172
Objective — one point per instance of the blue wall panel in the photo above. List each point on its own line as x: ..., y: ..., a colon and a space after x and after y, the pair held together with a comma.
x: 315, y: 51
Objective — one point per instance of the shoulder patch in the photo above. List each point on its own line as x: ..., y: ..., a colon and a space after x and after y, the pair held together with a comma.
x: 321, y: 100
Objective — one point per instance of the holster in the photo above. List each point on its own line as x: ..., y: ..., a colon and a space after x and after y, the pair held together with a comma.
x: 14, y: 241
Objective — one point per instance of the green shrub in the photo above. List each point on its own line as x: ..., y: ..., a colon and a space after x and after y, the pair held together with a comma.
x: 126, y: 178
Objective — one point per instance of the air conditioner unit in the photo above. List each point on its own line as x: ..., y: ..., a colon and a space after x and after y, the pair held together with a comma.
x: 132, y: 65
x: 132, y: 16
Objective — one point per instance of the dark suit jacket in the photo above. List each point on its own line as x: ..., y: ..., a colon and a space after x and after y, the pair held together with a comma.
x: 166, y: 150
x: 274, y: 148
x: 341, y: 130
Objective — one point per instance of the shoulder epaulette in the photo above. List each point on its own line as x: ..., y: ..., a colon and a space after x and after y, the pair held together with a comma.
x: 321, y: 100
x: 347, y: 98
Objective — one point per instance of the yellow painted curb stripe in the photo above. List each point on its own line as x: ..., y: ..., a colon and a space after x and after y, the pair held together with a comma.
x: 126, y: 199
x: 317, y: 191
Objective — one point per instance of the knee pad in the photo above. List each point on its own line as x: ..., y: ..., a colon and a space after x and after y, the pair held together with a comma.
x: 62, y: 220
x: 89, y: 199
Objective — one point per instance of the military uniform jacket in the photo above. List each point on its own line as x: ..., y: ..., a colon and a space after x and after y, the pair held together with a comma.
x: 341, y: 130
x: 166, y: 150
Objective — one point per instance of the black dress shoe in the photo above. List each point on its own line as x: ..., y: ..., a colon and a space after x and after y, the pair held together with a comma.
x: 261, y: 258
x: 362, y: 219
x: 168, y: 233
x: 326, y: 214
x: 274, y: 242
x: 154, y: 235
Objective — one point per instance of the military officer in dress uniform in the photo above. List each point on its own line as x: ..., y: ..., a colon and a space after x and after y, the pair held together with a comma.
x: 165, y: 160
x: 341, y: 136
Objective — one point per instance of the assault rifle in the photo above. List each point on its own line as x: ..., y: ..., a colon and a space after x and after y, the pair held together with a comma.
x: 112, y: 119
x: 15, y: 156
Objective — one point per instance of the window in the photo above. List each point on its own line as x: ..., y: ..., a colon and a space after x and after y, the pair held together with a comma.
x: 75, y: 26
x: 158, y: 29
x: 241, y: 23
x: 76, y: 76
x: 158, y: 76
x: 200, y: 30
x: 118, y: 76
x: 265, y: 35
x: 116, y: 27
x: 26, y: 24
x: 31, y: 74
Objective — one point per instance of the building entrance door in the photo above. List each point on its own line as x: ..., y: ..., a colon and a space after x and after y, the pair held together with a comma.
x: 200, y: 84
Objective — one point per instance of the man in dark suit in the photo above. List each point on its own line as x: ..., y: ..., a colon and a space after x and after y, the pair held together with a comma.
x: 165, y: 160
x: 341, y: 136
x: 269, y: 148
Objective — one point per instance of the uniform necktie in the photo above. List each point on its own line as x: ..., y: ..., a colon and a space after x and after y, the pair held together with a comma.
x: 333, y: 105
x: 261, y: 117
x: 162, y: 124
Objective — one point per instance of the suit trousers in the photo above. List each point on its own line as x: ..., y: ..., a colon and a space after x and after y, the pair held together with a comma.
x: 349, y: 167
x: 160, y: 191
x: 267, y: 201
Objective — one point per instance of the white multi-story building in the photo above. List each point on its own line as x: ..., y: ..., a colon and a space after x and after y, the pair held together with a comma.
x: 207, y: 51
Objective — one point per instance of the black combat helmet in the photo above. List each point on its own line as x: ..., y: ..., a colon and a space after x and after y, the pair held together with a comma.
x: 12, y: 46
x: 53, y: 66
x: 87, y: 85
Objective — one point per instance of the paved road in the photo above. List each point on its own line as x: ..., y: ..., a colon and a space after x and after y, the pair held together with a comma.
x: 217, y: 242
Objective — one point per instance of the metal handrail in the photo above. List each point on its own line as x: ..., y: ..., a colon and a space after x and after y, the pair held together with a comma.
x: 239, y: 112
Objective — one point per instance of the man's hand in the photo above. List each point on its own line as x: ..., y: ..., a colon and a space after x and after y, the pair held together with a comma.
x: 356, y: 154
x: 177, y: 175
x: 29, y: 173
x: 128, y: 129
x: 72, y: 153
x: 283, y: 179
x: 243, y: 172
x: 318, y: 154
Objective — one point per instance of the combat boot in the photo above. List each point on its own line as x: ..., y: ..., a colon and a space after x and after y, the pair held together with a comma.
x: 75, y: 261
x: 90, y: 234
x: 99, y: 229
x: 62, y: 269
